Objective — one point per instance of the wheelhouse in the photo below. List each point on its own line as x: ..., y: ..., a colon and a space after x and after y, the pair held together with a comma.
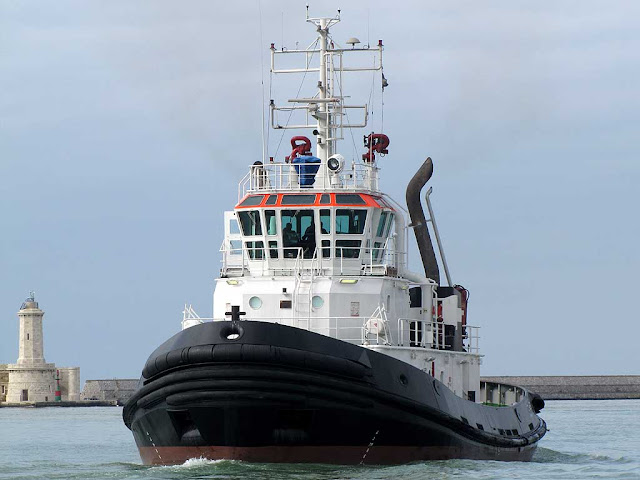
x: 352, y: 232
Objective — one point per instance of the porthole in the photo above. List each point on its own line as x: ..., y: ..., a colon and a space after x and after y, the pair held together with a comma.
x: 255, y: 303
x: 317, y: 301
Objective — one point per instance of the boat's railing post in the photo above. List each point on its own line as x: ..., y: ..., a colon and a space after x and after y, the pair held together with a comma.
x: 244, y: 256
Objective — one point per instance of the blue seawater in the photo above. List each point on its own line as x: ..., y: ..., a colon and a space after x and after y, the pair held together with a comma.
x: 588, y: 439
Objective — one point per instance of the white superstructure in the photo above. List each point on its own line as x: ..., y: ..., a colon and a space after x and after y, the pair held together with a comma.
x: 314, y: 244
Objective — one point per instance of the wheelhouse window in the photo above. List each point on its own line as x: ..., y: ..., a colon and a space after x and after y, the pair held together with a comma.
x: 270, y: 222
x: 250, y: 222
x: 235, y: 247
x: 349, y: 199
x: 326, y: 248
x: 255, y: 250
x: 382, y: 223
x: 298, y: 199
x: 298, y: 231
x: 348, y: 248
x: 252, y: 201
x: 378, y: 251
x: 234, y: 229
x: 325, y: 221
x: 389, y: 223
x: 350, y: 222
x: 273, y: 249
x: 271, y: 200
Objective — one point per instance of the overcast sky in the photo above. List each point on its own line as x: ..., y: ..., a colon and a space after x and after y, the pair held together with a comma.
x: 125, y: 127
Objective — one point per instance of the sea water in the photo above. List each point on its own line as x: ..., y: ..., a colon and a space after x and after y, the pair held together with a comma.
x: 587, y: 439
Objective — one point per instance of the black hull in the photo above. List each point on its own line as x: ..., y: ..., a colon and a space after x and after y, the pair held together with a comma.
x: 280, y: 394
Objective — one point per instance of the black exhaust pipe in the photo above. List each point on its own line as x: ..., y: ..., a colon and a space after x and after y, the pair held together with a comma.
x: 419, y: 222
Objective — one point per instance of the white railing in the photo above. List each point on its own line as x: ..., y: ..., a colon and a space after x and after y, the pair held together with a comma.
x: 472, y: 335
x: 431, y: 334
x: 499, y: 393
x: 287, y: 176
x: 376, y: 328
x: 287, y: 261
x: 360, y: 331
x: 334, y: 327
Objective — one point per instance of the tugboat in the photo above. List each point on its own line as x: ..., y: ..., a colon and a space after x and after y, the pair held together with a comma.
x: 323, y: 347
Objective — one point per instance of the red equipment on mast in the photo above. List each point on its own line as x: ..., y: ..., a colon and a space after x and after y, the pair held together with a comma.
x: 303, y: 148
x: 375, y: 142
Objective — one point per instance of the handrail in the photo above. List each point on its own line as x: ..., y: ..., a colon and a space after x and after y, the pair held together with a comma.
x: 347, y: 258
x: 333, y: 329
x: 500, y: 394
x: 360, y: 334
x: 430, y: 334
x: 379, y: 315
x: 283, y: 176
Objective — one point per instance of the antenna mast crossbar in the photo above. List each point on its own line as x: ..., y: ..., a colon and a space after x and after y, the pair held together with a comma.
x: 327, y: 106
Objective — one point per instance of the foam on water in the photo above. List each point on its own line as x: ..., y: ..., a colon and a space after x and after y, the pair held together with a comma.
x: 200, y: 462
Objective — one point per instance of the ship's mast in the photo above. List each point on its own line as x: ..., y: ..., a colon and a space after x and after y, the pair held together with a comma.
x: 325, y: 146
x: 327, y: 106
x: 324, y: 125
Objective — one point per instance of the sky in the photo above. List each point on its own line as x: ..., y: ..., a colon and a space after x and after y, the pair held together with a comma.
x: 125, y: 127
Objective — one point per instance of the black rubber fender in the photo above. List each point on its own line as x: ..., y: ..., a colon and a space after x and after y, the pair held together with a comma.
x: 536, y: 402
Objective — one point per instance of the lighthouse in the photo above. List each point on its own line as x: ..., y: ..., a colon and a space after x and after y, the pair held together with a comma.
x: 31, y: 348
x: 31, y: 378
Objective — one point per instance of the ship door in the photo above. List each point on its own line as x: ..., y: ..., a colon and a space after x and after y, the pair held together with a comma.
x: 465, y: 382
x: 233, y: 257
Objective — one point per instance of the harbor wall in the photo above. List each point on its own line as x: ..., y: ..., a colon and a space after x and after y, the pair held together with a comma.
x: 62, y: 403
x: 33, y: 383
x: 4, y: 382
x: 70, y: 383
x: 565, y: 387
x: 113, y: 390
x: 577, y: 387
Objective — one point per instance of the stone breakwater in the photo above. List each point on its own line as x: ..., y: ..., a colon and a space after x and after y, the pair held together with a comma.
x: 63, y: 403
x: 587, y: 387
x: 117, y: 389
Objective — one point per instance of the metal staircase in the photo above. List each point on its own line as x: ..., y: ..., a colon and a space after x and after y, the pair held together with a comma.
x: 303, y: 290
